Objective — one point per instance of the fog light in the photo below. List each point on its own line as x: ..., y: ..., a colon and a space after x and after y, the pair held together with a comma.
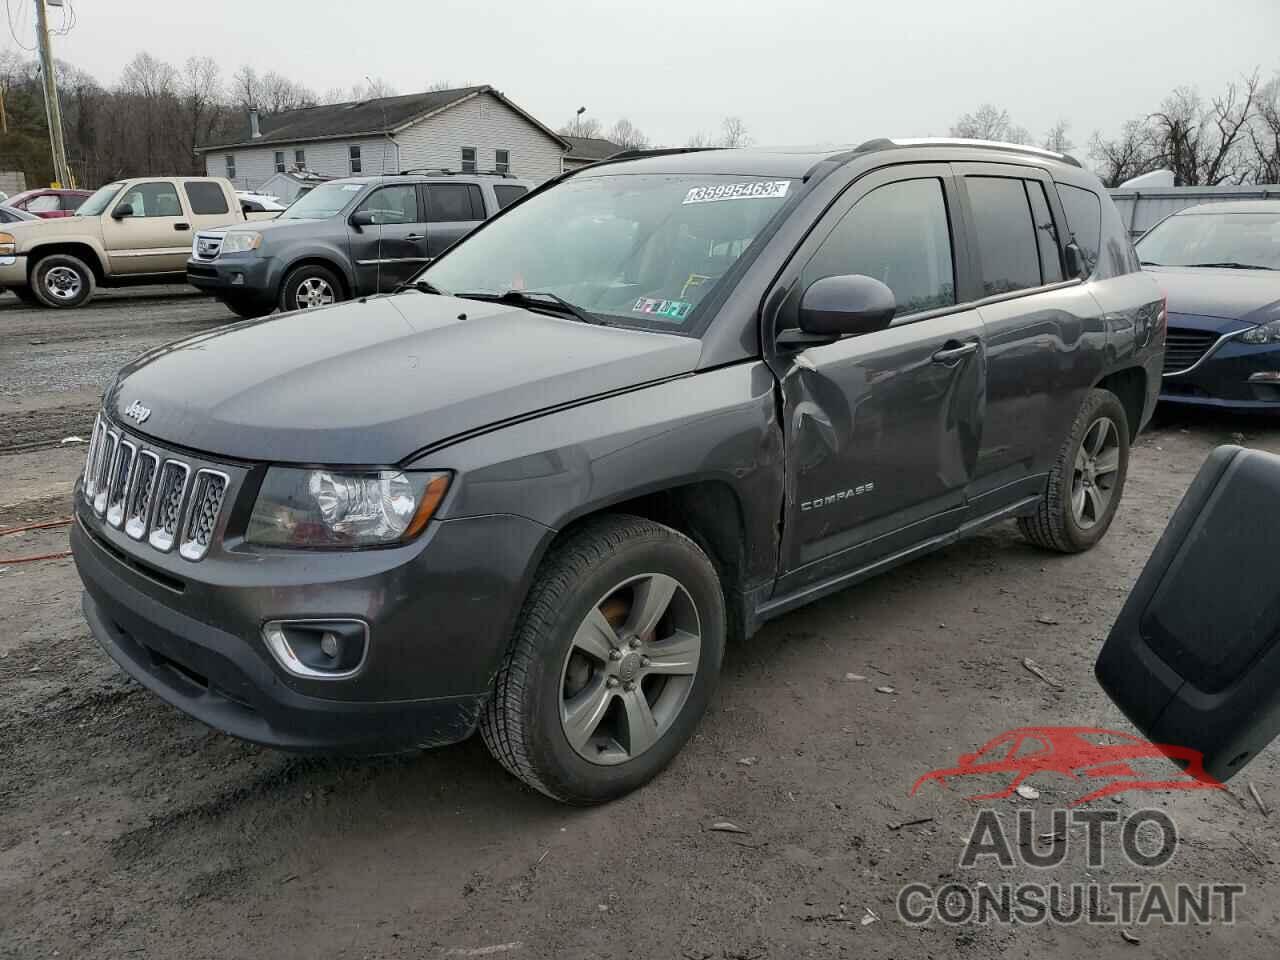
x: 237, y: 279
x: 318, y: 649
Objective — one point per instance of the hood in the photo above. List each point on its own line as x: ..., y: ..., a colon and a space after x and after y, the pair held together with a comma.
x: 1227, y: 294
x: 267, y: 224
x: 25, y: 231
x: 373, y: 382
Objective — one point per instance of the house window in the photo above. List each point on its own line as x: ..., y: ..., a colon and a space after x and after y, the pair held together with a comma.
x: 231, y: 166
x: 353, y: 152
x: 279, y: 161
x: 502, y: 161
x: 300, y: 158
x: 468, y: 159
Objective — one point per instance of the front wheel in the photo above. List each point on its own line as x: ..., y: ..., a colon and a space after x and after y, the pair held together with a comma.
x: 1087, y: 480
x: 615, y: 656
x: 310, y: 286
x: 61, y: 280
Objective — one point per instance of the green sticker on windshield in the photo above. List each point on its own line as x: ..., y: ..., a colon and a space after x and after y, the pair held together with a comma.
x: 671, y: 309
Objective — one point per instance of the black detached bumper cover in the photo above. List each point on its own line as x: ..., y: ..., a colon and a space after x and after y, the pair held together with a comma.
x: 220, y: 679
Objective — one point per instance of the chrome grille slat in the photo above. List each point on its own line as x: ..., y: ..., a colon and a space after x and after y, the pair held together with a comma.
x: 207, y: 494
x: 102, y: 479
x: 91, y: 463
x: 119, y: 485
x: 171, y: 488
x: 138, y: 502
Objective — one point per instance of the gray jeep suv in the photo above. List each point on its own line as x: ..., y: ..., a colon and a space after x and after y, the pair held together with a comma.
x: 660, y: 401
x: 344, y: 239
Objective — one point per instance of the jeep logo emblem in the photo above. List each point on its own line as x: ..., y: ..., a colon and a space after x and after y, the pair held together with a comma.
x: 137, y: 412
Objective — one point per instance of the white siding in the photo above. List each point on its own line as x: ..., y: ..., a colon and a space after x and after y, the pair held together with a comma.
x: 488, y: 124
x: 255, y: 165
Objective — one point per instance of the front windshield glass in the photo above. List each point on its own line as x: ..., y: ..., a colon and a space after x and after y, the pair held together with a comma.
x: 98, y: 202
x: 323, y: 202
x: 1205, y: 239
x: 635, y: 249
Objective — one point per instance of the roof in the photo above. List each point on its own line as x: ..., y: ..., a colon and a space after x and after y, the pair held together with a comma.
x: 590, y: 148
x: 377, y: 117
x: 301, y: 176
x: 1232, y: 206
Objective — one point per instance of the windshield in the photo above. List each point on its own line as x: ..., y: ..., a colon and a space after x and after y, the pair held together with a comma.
x: 636, y: 249
x: 322, y: 202
x: 1204, y: 239
x: 98, y: 202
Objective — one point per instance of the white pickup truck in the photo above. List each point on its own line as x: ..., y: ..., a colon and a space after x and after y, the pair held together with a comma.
x: 129, y: 232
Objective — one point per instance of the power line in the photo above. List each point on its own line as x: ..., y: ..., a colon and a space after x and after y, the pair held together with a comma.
x: 13, y: 31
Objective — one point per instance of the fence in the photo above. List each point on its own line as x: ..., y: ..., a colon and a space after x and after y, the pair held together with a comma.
x: 1142, y: 208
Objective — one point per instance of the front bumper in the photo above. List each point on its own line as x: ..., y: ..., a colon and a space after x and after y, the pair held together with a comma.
x: 240, y: 275
x: 13, y: 271
x: 1222, y: 378
x: 439, y: 612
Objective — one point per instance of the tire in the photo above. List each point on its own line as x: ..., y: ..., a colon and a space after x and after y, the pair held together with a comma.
x: 323, y: 284
x: 246, y: 309
x: 26, y: 295
x: 62, y: 281
x: 1084, y: 486
x: 602, y: 574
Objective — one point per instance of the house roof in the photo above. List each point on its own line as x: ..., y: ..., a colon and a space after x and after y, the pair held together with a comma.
x: 377, y: 117
x: 590, y: 148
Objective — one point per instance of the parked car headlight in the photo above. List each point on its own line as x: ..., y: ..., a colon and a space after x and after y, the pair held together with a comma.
x: 1263, y: 333
x: 8, y: 246
x: 332, y: 508
x: 241, y: 241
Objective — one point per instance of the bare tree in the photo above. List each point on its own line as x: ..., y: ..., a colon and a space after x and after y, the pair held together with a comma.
x: 1058, y: 138
x: 1129, y: 155
x: 247, y: 88
x: 334, y: 95
x: 201, y: 97
x: 1264, y: 133
x: 1203, y: 143
x: 989, y: 122
x: 700, y: 139
x: 280, y: 94
x: 627, y: 135
x: 373, y: 88
x: 734, y: 133
x: 581, y: 126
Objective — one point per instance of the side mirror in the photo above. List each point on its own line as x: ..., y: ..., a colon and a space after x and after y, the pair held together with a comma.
x: 362, y: 218
x: 841, y: 306
x: 121, y: 211
x: 1077, y: 265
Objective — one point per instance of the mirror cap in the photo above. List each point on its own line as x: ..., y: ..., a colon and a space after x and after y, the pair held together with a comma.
x: 1194, y: 657
x: 850, y: 304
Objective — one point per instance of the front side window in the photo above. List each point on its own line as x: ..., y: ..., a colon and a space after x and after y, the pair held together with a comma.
x: 70, y: 202
x: 502, y: 161
x: 153, y: 200
x: 1241, y: 240
x: 468, y: 159
x: 1006, y: 234
x: 640, y: 250
x: 1084, y: 219
x: 206, y: 198
x: 898, y: 234
x: 353, y: 154
x: 231, y: 166
x: 279, y: 161
x: 395, y: 204
x: 449, y: 203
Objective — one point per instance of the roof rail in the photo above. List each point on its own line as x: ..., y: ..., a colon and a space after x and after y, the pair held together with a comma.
x: 656, y: 152
x: 459, y: 173
x: 885, y: 143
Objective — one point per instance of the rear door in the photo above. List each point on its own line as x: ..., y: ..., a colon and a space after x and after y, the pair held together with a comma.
x: 209, y: 205
x: 1043, y: 332
x: 389, y: 251
x: 453, y: 211
x: 882, y: 429
x: 155, y: 237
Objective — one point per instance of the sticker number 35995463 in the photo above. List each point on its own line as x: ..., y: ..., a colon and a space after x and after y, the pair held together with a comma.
x: 754, y: 190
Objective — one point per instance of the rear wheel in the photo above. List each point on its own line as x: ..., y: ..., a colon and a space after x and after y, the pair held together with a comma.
x: 310, y: 286
x: 61, y: 280
x: 1087, y: 480
x: 615, y: 656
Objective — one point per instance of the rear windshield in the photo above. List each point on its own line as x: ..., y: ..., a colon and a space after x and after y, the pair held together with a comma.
x: 323, y: 202
x: 633, y: 249
x: 1214, y: 239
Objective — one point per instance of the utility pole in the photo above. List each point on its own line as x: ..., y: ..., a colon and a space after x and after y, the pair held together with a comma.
x: 61, y: 171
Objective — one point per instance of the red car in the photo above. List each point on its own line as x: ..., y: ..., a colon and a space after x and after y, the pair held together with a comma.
x: 49, y: 203
x: 1080, y: 753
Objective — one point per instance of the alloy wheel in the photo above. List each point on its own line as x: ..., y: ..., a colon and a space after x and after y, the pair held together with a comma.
x: 629, y: 669
x: 63, y: 283
x: 1097, y: 467
x: 313, y: 292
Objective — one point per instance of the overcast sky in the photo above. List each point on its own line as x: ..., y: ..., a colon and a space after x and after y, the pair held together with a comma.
x: 808, y: 71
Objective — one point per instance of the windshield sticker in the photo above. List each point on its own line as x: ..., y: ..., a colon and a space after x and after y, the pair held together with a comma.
x: 671, y: 309
x: 695, y: 280
x: 352, y: 187
x: 755, y: 190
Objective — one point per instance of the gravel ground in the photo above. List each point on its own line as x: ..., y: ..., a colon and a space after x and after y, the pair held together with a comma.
x: 127, y: 829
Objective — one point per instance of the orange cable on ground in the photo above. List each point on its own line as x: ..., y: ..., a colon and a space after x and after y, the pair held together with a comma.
x: 37, y: 526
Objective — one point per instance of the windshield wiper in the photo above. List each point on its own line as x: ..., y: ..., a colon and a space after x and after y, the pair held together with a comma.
x: 537, y: 299
x: 1150, y: 263
x: 420, y: 285
x: 1232, y: 265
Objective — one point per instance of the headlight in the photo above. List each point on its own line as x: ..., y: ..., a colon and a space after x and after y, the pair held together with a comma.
x: 1264, y: 333
x: 8, y: 246
x: 241, y: 242
x: 329, y: 508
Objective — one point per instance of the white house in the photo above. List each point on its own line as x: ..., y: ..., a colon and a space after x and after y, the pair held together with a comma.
x: 468, y: 129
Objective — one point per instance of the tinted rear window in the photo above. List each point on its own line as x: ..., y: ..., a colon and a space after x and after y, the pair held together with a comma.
x: 1084, y: 219
x: 1006, y: 235
x: 206, y: 197
x: 508, y: 194
x: 448, y: 202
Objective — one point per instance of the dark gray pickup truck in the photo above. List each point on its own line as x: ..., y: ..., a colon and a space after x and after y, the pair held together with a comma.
x: 660, y: 401
x: 347, y: 238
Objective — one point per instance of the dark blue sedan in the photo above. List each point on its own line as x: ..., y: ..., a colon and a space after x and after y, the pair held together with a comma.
x: 1219, y: 265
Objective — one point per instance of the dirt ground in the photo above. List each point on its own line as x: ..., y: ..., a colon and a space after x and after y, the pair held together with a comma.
x: 127, y: 829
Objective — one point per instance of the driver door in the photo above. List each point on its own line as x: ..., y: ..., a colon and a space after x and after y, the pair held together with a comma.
x: 155, y: 237
x: 389, y: 251
x: 881, y: 429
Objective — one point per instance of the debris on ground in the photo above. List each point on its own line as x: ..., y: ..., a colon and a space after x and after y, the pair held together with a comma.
x: 1038, y: 670
x: 1257, y: 798
x: 870, y: 916
x: 885, y: 689
x: 895, y: 825
x: 1047, y: 620
x: 724, y: 826
x: 1129, y: 937
x: 748, y: 761
x: 854, y: 676
x: 66, y: 440
x: 1027, y: 792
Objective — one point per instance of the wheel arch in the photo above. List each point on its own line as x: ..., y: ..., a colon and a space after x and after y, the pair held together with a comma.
x: 329, y: 261
x: 1130, y: 386
x: 78, y: 249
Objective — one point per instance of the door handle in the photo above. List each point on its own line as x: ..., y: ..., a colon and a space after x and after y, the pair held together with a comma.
x: 182, y: 226
x: 951, y: 354
x: 415, y: 236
